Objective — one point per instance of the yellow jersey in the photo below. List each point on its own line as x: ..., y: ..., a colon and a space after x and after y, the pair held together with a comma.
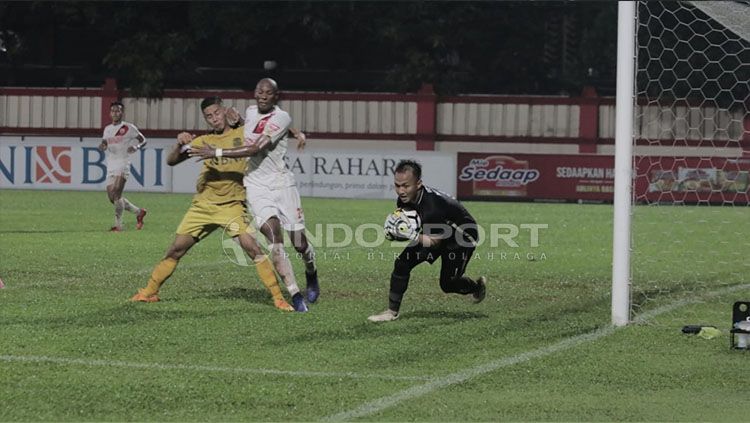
x: 220, y: 180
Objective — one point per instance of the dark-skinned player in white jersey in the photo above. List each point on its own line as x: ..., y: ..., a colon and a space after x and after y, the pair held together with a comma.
x: 272, y: 194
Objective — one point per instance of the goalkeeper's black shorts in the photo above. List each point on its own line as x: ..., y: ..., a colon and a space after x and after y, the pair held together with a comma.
x: 454, y: 258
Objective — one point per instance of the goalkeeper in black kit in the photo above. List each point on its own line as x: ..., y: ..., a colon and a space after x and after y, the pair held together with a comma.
x: 436, y: 226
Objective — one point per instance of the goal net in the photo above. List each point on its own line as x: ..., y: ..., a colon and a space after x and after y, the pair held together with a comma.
x: 691, y: 152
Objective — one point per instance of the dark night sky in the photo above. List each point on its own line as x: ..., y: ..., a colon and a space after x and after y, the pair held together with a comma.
x: 460, y: 47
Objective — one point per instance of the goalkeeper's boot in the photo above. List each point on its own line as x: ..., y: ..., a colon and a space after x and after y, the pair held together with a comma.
x: 140, y: 297
x: 115, y: 229
x: 385, y: 316
x: 313, y: 287
x: 139, y: 219
x: 282, y: 305
x: 481, y: 292
x: 299, y: 303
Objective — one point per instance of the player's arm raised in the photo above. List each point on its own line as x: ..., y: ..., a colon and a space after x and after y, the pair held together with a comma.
x: 275, y: 130
x: 180, y: 152
x: 234, y: 119
x: 208, y: 152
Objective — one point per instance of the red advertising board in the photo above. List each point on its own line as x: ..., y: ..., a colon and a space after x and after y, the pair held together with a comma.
x: 535, y: 177
x: 691, y: 180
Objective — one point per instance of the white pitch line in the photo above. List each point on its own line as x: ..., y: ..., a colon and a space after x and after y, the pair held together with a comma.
x: 648, y: 315
x: 158, y: 366
x: 383, y: 403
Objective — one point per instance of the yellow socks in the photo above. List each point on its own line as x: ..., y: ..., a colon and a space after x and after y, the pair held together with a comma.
x: 161, y: 273
x: 164, y: 270
x: 267, y: 275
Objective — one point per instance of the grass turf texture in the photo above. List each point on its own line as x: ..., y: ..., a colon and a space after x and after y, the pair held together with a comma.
x: 209, y: 348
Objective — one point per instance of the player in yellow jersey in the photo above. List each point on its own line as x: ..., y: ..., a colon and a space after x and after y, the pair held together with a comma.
x: 271, y: 188
x: 218, y: 203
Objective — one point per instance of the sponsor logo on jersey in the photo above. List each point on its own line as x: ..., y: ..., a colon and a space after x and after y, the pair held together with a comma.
x: 122, y: 131
x: 261, y: 125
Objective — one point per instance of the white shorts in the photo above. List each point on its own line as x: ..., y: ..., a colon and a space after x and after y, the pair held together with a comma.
x: 117, y: 170
x: 283, y: 203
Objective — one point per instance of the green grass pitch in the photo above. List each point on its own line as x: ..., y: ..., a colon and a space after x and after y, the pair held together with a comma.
x: 73, y: 349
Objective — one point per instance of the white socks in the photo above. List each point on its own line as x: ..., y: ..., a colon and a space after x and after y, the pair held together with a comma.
x: 130, y: 206
x: 119, y: 206
x: 123, y: 204
x: 284, y: 267
x: 308, y: 257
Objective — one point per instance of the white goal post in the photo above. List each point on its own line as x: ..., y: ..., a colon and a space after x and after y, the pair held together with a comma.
x: 624, y: 105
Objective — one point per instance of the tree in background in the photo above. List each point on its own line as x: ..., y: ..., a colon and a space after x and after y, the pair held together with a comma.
x: 459, y: 47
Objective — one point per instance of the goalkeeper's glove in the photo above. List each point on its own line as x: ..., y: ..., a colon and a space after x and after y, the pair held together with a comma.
x: 389, y: 227
x: 397, y: 228
x: 407, y: 233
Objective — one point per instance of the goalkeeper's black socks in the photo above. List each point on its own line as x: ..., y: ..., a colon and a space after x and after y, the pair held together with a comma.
x: 394, y: 301
x: 398, y: 288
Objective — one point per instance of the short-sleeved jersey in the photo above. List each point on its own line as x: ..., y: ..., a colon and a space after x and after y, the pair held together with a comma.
x: 119, y: 137
x: 220, y: 180
x: 267, y: 168
x: 443, y: 217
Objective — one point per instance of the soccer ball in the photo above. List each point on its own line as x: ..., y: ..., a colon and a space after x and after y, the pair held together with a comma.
x: 404, y: 221
x: 410, y: 220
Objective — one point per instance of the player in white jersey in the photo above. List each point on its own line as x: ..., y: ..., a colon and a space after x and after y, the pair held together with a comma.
x: 120, y: 139
x: 270, y: 187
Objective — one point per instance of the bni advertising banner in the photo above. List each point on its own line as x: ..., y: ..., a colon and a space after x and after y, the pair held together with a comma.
x: 534, y: 177
x: 71, y: 163
x: 64, y: 163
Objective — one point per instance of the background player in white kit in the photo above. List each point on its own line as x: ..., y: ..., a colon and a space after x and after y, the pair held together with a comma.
x: 271, y: 189
x: 121, y: 139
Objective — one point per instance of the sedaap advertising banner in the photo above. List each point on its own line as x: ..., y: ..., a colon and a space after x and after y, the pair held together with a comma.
x: 534, y: 177
x: 693, y: 180
x: 53, y: 163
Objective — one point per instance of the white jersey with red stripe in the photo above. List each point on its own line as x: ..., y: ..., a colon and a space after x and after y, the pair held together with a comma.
x: 119, y: 137
x: 267, y: 168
